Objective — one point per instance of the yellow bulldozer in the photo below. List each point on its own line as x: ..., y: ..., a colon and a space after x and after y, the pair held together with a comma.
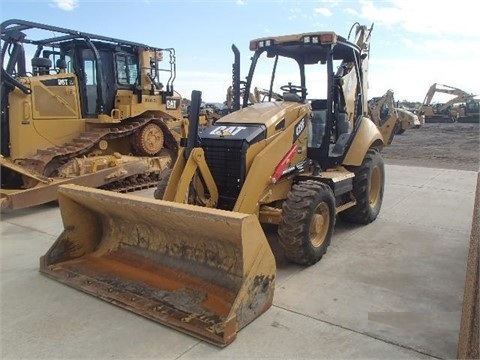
x: 197, y: 258
x: 85, y: 109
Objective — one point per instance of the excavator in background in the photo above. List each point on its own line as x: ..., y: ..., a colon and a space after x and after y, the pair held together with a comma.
x: 468, y: 111
x: 90, y: 110
x: 196, y: 257
x: 463, y: 107
x: 383, y: 108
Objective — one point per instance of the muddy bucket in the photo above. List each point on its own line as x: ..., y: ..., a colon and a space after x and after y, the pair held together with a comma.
x: 205, y: 272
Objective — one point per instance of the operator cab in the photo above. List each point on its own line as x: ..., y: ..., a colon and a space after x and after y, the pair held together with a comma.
x: 99, y: 66
x: 327, y: 68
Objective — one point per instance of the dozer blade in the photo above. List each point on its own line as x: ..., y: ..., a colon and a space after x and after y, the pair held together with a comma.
x: 206, y: 272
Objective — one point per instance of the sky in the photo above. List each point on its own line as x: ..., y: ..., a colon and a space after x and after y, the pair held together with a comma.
x: 413, y: 45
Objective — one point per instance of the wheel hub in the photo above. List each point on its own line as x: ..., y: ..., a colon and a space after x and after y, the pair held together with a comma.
x: 150, y: 139
x: 319, y: 225
x: 374, y: 193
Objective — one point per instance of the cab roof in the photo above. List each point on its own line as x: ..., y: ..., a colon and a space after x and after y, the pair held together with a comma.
x: 308, y: 48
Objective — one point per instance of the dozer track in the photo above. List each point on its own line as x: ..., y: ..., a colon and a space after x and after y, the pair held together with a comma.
x: 47, y: 161
x: 133, y: 183
x: 71, y: 163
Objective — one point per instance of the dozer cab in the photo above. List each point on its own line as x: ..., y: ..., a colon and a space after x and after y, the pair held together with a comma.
x: 197, y: 258
x: 82, y: 108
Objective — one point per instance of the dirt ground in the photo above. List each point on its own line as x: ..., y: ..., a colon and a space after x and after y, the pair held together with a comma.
x: 438, y: 145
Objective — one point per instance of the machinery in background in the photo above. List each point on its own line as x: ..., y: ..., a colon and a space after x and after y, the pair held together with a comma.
x: 463, y: 107
x: 90, y: 110
x: 408, y: 120
x: 383, y: 108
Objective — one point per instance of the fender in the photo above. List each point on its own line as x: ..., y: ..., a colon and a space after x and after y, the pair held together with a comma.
x: 368, y: 135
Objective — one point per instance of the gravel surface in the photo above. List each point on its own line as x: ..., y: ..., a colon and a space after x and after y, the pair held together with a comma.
x: 437, y: 145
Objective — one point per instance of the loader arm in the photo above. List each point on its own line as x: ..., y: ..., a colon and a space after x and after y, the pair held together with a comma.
x: 184, y: 173
x: 192, y: 167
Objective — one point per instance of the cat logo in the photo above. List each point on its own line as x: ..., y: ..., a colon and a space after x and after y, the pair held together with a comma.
x: 172, y: 104
x: 227, y: 130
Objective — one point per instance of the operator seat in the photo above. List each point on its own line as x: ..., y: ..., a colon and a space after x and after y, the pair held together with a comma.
x: 41, y: 66
x: 288, y: 96
x: 61, y: 65
x: 319, y: 122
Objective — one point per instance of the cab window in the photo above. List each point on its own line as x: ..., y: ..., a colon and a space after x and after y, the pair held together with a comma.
x: 127, y: 69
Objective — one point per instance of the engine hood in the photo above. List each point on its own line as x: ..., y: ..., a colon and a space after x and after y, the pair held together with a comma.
x: 268, y: 114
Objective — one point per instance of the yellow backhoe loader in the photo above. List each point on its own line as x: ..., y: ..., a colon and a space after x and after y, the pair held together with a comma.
x: 383, y: 108
x: 197, y: 258
x: 90, y: 110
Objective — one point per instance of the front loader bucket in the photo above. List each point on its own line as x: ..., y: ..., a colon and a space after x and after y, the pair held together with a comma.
x: 202, y: 271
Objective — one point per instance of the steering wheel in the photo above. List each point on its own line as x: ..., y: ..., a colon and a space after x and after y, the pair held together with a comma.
x: 294, y: 89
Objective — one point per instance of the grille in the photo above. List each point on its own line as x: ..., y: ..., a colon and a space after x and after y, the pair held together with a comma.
x: 226, y: 161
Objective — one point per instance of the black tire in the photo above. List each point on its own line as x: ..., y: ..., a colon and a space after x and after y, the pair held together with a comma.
x: 162, y: 184
x: 309, y: 204
x: 368, y: 187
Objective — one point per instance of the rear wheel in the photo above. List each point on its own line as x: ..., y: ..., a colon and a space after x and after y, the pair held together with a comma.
x: 308, y: 219
x: 368, y: 186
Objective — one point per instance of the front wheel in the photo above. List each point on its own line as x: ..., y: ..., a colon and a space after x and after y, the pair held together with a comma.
x: 368, y: 186
x: 308, y: 219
